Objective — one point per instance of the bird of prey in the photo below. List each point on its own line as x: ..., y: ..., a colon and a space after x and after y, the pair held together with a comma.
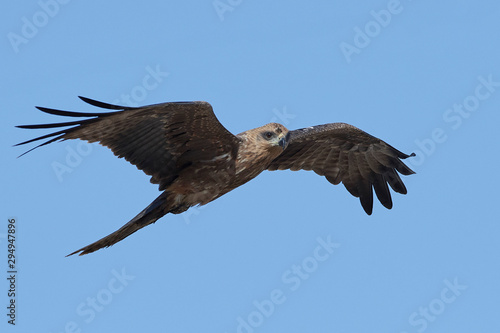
x: 195, y: 160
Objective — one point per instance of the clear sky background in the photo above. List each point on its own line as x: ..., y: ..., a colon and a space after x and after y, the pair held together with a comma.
x: 287, y: 252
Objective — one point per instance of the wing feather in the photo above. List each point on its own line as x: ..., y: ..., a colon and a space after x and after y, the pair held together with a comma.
x: 382, y: 190
x: 153, y: 137
x: 344, y: 153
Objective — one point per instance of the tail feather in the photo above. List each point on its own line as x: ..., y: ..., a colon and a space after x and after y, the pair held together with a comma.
x: 149, y: 215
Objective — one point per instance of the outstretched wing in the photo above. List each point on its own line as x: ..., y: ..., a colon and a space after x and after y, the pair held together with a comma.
x: 159, y: 139
x: 344, y: 153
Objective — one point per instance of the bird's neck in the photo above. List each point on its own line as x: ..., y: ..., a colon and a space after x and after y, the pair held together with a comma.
x: 252, y: 160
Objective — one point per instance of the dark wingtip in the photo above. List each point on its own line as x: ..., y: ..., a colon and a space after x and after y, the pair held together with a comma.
x: 410, y: 171
x: 405, y: 156
x: 103, y: 105
x: 68, y: 113
x: 40, y: 145
x: 367, y: 206
x: 25, y: 152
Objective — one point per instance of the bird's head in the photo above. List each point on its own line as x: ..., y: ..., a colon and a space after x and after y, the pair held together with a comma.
x: 265, y: 143
x: 274, y: 137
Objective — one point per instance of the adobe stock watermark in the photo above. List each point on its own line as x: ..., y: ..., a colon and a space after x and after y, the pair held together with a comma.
x: 429, y: 313
x: 282, y: 116
x: 191, y: 212
x: 372, y: 29
x: 224, y: 6
x: 95, y: 304
x: 454, y: 118
x: 291, y: 279
x: 30, y: 27
x: 76, y: 152
x: 74, y: 157
x: 150, y: 81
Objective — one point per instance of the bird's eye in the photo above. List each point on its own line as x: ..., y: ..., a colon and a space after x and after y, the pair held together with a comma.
x: 268, y: 135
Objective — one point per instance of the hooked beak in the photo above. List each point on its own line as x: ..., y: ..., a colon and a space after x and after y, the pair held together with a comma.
x: 283, y: 143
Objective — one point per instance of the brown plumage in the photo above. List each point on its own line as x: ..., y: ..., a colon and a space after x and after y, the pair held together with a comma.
x: 195, y: 160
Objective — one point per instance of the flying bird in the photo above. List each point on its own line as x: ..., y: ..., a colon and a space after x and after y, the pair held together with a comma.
x: 194, y: 159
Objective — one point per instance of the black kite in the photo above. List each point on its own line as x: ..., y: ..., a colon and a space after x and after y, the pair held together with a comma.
x: 195, y: 159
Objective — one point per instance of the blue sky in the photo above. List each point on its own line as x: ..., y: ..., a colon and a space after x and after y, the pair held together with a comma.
x: 287, y: 252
